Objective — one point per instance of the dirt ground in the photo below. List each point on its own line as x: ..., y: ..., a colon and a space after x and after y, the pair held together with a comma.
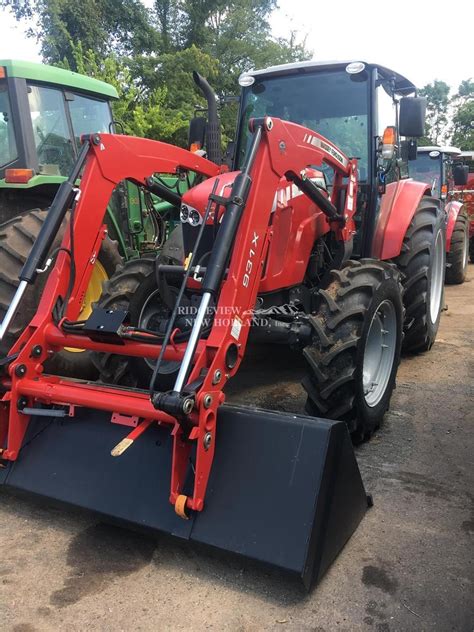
x: 409, y: 566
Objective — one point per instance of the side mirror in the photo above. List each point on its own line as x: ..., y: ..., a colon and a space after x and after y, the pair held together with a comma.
x: 197, y: 133
x: 412, y: 117
x: 460, y: 175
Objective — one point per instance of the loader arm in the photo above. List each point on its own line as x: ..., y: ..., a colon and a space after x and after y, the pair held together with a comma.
x: 280, y: 149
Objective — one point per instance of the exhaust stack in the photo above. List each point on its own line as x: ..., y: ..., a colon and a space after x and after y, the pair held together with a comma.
x: 213, y: 130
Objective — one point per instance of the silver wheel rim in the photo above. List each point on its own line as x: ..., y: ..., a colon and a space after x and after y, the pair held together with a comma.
x: 465, y: 252
x: 148, y: 311
x: 379, y: 353
x: 436, y: 280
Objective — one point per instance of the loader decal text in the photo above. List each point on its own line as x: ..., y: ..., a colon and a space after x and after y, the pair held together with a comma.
x: 249, y: 264
x: 325, y: 146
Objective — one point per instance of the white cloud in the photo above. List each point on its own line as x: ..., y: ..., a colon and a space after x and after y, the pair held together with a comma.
x: 13, y: 41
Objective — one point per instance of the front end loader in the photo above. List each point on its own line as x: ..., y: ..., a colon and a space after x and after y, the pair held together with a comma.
x: 303, y: 243
x: 283, y: 489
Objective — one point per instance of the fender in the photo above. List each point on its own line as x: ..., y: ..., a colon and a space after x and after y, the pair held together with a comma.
x: 453, y: 209
x: 397, y: 208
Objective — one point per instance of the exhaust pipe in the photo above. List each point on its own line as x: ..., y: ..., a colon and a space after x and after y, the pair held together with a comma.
x: 213, y: 130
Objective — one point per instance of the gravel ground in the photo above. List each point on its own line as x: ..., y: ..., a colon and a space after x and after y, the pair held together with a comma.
x: 408, y: 566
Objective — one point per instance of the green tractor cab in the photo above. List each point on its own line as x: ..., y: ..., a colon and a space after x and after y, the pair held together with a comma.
x: 44, y: 111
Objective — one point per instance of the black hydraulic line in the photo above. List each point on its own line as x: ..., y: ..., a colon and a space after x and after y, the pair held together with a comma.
x: 186, y: 276
x: 57, y: 211
x: 217, y: 265
x: 312, y: 191
x: 162, y: 191
x: 213, y: 128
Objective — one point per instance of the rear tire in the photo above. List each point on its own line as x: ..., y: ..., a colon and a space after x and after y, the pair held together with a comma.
x: 422, y: 263
x: 17, y: 236
x: 362, y: 301
x: 458, y: 255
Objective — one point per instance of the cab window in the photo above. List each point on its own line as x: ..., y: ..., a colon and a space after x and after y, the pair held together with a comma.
x: 8, y: 151
x: 89, y: 116
x: 386, y: 113
x: 51, y: 130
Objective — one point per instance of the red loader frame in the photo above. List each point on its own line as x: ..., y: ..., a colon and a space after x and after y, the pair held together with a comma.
x: 285, y: 150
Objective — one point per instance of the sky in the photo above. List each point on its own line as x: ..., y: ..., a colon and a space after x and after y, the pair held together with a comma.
x: 412, y: 37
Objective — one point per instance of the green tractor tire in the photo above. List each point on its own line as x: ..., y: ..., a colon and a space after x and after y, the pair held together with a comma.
x: 16, y: 239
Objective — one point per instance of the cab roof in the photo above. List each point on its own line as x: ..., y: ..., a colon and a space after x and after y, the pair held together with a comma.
x: 443, y: 149
x: 58, y: 76
x: 402, y: 84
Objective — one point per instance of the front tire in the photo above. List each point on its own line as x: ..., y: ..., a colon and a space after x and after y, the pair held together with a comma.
x: 422, y: 263
x: 354, y: 355
x: 458, y: 255
x: 133, y: 288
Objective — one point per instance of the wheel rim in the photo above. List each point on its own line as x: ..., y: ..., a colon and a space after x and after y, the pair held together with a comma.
x: 379, y: 353
x: 436, y: 280
x: 465, y: 252
x: 92, y: 295
x: 154, y: 310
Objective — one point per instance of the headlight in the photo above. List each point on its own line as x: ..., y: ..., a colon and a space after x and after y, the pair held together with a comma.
x: 194, y: 218
x: 184, y: 213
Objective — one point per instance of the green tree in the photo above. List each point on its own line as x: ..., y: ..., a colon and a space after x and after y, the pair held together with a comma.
x: 437, y: 95
x: 103, y: 26
x: 463, y: 115
x: 162, y: 111
x: 150, y: 55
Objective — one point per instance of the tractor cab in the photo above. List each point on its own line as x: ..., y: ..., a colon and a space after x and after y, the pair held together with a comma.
x: 44, y: 111
x: 434, y: 165
x: 367, y: 110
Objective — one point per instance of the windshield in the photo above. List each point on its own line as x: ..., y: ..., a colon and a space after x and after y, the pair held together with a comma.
x: 8, y: 151
x: 330, y: 103
x: 426, y: 169
x: 89, y: 116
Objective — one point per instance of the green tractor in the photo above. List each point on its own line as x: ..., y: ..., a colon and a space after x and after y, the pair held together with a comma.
x: 44, y: 111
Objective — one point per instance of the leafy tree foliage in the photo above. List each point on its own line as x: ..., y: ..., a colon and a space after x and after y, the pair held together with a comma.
x: 463, y: 117
x: 437, y: 95
x: 450, y: 119
x: 149, y: 55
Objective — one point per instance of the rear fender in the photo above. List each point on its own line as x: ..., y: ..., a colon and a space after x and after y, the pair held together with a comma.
x: 397, y: 208
x: 452, y: 209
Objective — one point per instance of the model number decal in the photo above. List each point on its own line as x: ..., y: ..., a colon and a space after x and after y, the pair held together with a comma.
x: 249, y: 264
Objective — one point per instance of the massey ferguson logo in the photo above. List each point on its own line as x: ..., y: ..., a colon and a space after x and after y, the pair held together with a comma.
x: 249, y: 264
x: 321, y: 144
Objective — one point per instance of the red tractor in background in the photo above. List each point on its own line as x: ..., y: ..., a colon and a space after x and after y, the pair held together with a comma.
x: 316, y: 239
x: 439, y: 167
x: 464, y: 192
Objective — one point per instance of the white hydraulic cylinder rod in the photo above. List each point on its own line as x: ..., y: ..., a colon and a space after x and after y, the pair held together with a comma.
x: 12, y: 310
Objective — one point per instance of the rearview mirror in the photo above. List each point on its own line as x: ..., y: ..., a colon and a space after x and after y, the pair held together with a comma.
x: 412, y: 117
x: 460, y: 175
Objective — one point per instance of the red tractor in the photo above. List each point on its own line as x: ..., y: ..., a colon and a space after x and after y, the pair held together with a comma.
x: 464, y: 192
x: 315, y: 239
x: 437, y: 167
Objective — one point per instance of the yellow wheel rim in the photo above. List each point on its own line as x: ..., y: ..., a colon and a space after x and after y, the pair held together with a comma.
x: 92, y: 295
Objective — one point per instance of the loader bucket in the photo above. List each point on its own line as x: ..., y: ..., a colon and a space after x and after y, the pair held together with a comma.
x: 284, y: 489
